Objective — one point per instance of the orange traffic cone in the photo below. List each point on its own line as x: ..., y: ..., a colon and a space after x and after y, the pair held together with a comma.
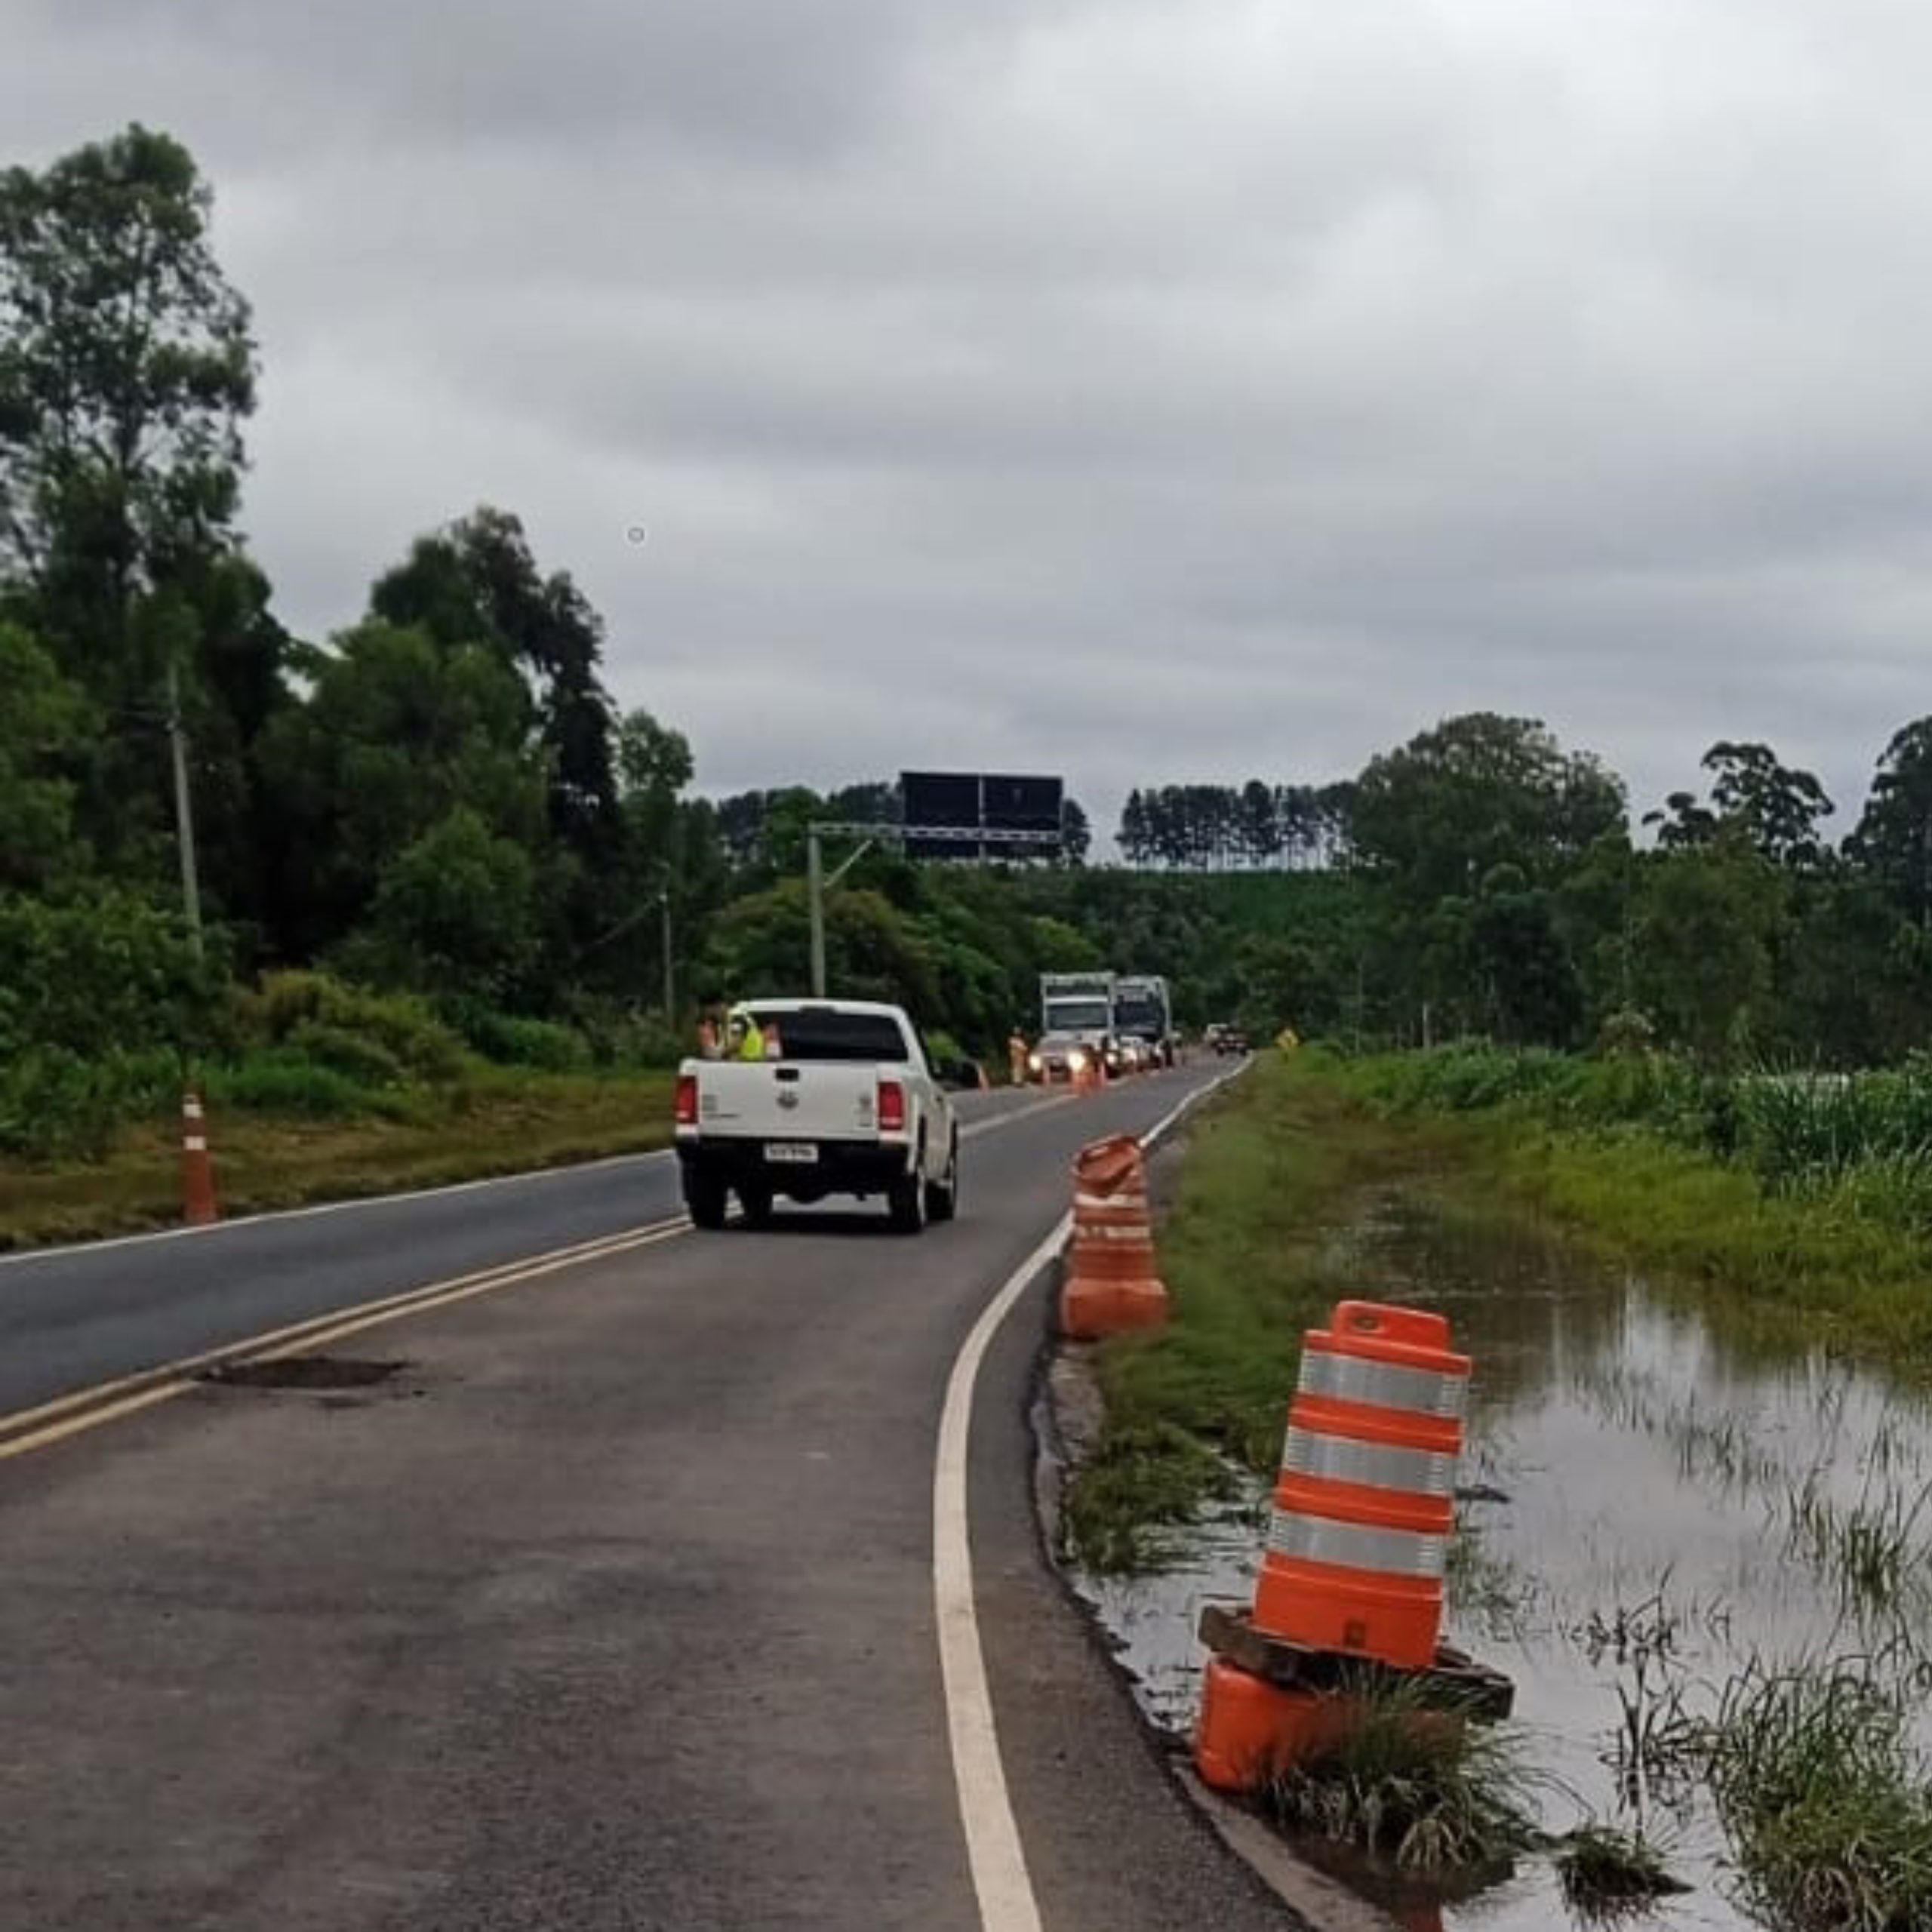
x: 198, y: 1202
x: 1111, y: 1285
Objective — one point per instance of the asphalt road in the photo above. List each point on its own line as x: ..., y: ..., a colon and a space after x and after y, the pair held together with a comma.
x: 612, y: 1609
x: 74, y: 1316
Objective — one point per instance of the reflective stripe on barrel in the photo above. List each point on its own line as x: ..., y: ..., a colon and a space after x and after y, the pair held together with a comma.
x: 1384, y: 1385
x: 1374, y: 1464
x: 1306, y: 1539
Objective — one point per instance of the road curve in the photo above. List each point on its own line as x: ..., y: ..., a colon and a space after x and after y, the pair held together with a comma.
x: 615, y: 1609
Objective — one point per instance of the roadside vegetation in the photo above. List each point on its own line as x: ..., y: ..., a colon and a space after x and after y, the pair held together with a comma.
x: 1269, y: 1171
x: 1425, y: 1792
x: 441, y: 798
x: 1797, y: 1209
x: 316, y: 1091
x: 1798, y: 1204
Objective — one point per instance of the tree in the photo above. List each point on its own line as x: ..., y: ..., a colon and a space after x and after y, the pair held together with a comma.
x: 1076, y: 833
x: 1682, y: 823
x: 1531, y: 983
x: 455, y: 912
x: 397, y: 732
x: 126, y: 368
x: 1894, y: 840
x: 42, y: 724
x: 1772, y: 807
x: 1477, y: 791
x: 477, y: 581
x: 1702, y: 943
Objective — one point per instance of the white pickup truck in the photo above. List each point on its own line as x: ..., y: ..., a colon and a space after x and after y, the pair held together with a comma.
x: 851, y: 1105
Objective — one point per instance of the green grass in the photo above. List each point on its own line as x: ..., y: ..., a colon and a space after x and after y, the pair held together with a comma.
x: 1607, y: 1874
x: 286, y: 1150
x: 1425, y: 1792
x: 1824, y: 1799
x: 1775, y: 1240
x: 1272, y: 1167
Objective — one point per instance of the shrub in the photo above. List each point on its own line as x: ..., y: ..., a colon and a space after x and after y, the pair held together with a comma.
x: 282, y: 1082
x: 354, y: 1055
x: 512, y: 1041
x: 55, y: 1104
x: 403, y: 1026
x: 104, y: 972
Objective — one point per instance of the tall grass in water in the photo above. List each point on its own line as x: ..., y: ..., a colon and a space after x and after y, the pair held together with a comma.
x: 1824, y: 1797
x: 1425, y: 1791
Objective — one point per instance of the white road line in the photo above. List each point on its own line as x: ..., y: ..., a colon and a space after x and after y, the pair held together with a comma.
x: 993, y: 1835
x: 973, y: 1129
x: 993, y: 1849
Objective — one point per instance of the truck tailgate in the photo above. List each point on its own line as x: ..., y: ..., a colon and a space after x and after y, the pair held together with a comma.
x: 804, y: 1100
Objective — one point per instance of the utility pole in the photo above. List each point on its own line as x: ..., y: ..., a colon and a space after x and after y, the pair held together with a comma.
x: 670, y: 983
x: 815, y: 888
x: 184, y: 811
x: 818, y: 882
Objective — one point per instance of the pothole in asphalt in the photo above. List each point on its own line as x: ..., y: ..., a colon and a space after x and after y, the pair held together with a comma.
x: 324, y: 1372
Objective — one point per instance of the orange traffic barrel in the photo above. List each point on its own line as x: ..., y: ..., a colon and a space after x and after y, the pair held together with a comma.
x: 1112, y: 1280
x: 1248, y: 1730
x: 1365, y: 1502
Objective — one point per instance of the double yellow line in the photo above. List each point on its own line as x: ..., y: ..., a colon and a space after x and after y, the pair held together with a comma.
x: 27, y: 1430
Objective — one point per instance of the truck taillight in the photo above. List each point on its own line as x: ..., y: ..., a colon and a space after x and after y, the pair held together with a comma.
x: 891, y: 1107
x: 687, y: 1115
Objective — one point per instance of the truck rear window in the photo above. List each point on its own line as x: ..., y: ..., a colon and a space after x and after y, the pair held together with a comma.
x: 830, y: 1034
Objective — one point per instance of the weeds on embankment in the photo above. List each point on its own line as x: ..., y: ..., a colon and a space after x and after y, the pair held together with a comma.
x: 498, y: 1121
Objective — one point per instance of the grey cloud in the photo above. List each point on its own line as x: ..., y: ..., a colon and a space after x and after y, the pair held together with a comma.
x: 1149, y: 391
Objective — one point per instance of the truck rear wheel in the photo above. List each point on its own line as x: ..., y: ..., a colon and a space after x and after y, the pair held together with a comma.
x: 942, y: 1196
x: 704, y: 1199
x: 906, y: 1200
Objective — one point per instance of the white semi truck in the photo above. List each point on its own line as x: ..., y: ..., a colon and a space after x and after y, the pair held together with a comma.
x: 1078, y: 1005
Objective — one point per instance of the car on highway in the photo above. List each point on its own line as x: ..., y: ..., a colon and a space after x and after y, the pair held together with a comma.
x: 1060, y: 1058
x: 849, y: 1103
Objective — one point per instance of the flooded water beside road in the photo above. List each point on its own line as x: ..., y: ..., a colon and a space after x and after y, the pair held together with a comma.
x: 1670, y: 1505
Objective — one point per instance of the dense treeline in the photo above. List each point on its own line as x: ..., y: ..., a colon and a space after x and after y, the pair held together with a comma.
x: 442, y: 805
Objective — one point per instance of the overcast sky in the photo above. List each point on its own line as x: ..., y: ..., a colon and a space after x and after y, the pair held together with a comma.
x: 1148, y: 393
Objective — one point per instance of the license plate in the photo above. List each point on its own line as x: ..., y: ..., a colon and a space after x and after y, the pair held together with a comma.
x: 797, y: 1153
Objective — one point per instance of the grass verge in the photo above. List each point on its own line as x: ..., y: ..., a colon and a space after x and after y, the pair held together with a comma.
x: 1822, y: 1254
x: 497, y: 1122
x: 1272, y: 1166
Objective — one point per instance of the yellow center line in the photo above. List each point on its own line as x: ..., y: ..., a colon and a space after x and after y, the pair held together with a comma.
x: 41, y: 1427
